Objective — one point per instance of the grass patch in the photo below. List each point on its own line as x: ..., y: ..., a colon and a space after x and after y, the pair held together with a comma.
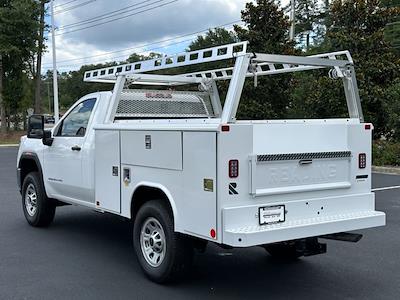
x: 11, y: 137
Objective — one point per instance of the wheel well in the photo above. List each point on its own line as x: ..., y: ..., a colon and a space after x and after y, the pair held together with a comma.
x: 27, y: 165
x: 146, y: 193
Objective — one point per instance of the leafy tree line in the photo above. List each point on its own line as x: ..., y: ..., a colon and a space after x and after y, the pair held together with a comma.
x: 367, y: 28
x: 19, y: 28
x: 22, y: 28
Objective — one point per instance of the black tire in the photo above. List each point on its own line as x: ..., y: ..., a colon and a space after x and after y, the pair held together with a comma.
x: 287, y: 251
x: 43, y: 212
x: 178, y: 251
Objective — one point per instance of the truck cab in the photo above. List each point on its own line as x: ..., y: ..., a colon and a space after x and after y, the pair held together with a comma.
x: 180, y: 165
x: 67, y: 166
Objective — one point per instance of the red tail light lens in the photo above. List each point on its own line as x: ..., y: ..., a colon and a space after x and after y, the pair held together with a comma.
x: 233, y: 168
x: 225, y: 128
x: 213, y: 234
x: 362, y: 160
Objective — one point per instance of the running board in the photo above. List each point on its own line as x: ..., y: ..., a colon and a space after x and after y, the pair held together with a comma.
x: 343, y: 236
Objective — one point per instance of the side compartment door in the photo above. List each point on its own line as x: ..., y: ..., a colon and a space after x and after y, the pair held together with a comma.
x: 107, y: 170
x: 199, y: 201
x: 63, y: 159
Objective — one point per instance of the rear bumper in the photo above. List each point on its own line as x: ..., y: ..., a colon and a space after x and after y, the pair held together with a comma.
x: 265, y: 234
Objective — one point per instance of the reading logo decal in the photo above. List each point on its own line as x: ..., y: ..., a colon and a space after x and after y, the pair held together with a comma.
x: 232, y: 188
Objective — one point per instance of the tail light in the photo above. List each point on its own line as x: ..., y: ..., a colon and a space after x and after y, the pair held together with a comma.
x: 233, y: 168
x: 225, y: 128
x: 362, y: 160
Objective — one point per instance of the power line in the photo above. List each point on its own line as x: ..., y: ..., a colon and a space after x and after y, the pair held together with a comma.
x: 139, y: 53
x: 117, y: 19
x: 121, y: 56
x: 147, y: 50
x: 65, y: 3
x: 152, y: 43
x: 97, y: 18
x: 73, y: 7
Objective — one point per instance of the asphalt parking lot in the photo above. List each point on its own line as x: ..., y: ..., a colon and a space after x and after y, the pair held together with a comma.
x: 88, y: 255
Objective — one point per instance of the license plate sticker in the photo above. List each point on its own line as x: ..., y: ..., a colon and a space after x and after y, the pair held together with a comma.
x: 271, y: 214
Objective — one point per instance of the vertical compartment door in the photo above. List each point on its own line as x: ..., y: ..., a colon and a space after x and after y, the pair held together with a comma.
x: 199, y: 183
x: 107, y: 170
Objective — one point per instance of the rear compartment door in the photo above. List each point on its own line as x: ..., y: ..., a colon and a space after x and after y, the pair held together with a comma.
x: 290, y: 158
x: 299, y: 172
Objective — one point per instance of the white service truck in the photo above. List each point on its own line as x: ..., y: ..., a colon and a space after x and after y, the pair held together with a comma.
x: 186, y: 172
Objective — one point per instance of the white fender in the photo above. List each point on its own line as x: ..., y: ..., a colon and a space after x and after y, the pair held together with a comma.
x: 166, y: 192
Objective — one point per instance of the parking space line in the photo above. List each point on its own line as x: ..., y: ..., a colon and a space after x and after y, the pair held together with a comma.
x: 386, y: 188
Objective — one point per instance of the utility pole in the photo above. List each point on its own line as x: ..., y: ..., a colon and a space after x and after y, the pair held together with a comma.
x: 48, y: 95
x: 38, y: 71
x: 292, y: 19
x: 55, y: 83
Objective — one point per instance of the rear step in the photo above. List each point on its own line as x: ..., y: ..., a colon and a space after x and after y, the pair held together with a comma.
x: 253, y: 235
x: 343, y: 236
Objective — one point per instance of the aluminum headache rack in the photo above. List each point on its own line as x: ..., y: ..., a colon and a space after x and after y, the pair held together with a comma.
x: 340, y: 65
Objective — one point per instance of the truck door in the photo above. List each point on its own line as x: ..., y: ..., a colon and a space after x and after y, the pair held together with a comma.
x: 63, y: 160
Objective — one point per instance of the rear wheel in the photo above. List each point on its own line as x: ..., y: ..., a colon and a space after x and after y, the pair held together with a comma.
x: 163, y: 254
x: 38, y: 209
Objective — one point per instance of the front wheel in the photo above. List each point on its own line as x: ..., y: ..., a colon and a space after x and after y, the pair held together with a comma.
x: 163, y: 254
x: 38, y: 209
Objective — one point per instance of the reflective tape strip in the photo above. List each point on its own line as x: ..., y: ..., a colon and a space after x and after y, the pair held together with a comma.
x: 299, y: 156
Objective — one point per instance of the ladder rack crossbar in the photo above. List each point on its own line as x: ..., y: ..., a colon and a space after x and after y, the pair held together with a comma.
x: 168, y: 62
x: 300, y: 60
x: 279, y: 65
x: 226, y: 73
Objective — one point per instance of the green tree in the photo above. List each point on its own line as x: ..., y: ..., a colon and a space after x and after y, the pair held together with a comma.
x: 392, y: 30
x: 309, y: 16
x: 72, y: 87
x: 214, y: 37
x: 18, y: 32
x: 40, y: 47
x: 393, y: 106
x: 267, y: 32
x: 134, y: 57
x: 358, y: 25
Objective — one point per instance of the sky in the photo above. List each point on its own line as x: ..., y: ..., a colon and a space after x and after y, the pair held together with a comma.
x: 142, y: 26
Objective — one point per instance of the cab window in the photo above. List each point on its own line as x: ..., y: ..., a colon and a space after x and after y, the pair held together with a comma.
x: 76, y: 122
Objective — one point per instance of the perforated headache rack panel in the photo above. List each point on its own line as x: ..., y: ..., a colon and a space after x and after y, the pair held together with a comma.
x: 136, y: 103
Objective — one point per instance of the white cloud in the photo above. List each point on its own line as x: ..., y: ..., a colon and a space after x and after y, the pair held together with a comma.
x: 175, y: 19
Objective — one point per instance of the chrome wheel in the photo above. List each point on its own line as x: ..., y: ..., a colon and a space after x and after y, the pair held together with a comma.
x: 152, y: 242
x: 31, y: 200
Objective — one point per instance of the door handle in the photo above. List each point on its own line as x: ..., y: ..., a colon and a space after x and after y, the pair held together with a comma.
x: 76, y: 148
x: 304, y: 162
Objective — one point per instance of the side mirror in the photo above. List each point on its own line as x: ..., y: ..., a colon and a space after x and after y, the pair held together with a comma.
x: 47, y: 139
x: 36, y: 127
